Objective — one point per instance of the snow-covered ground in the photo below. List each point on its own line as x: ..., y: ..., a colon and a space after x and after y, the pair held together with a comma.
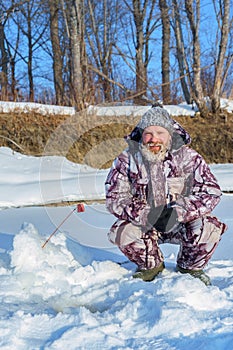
x: 74, y: 293
x: 106, y: 110
x: 26, y: 107
x: 53, y: 179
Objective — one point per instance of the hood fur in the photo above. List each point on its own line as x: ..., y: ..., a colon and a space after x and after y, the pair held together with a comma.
x: 180, y: 137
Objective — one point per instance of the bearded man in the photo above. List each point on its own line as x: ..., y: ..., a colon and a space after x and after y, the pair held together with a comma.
x: 162, y: 191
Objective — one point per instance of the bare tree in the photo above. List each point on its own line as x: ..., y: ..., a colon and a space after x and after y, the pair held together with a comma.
x: 57, y: 51
x: 143, y: 24
x: 30, y: 19
x: 193, y: 14
x: 4, y: 58
x: 166, y: 34
x: 101, y: 31
x: 74, y: 16
x: 180, y: 53
x: 12, y: 54
x: 8, y: 49
x: 139, y: 13
x: 223, y: 17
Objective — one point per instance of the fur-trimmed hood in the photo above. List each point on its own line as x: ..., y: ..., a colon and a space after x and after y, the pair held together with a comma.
x: 180, y: 137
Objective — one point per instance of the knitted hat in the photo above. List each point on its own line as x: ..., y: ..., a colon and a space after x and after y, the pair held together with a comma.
x: 157, y: 116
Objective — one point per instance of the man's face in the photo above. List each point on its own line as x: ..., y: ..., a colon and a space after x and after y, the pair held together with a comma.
x: 156, y: 138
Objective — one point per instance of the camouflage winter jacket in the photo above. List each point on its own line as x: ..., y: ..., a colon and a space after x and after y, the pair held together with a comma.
x: 182, y: 180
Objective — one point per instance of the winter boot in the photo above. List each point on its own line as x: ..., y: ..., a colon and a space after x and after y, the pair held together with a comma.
x: 197, y: 274
x: 149, y: 275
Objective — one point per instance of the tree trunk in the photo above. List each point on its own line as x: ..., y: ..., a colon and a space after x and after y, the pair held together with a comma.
x: 14, y: 91
x: 141, y: 70
x: 219, y: 67
x: 166, y: 87
x: 3, y: 64
x: 180, y: 53
x: 194, y: 21
x: 30, y: 55
x: 57, y: 52
x: 74, y: 23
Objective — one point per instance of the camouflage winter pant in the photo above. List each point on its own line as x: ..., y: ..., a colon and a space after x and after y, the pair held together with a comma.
x: 197, y: 239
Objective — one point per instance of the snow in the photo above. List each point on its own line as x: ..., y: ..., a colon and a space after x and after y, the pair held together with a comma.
x: 182, y: 109
x: 78, y: 292
x: 109, y: 110
x: 50, y: 179
x: 26, y: 107
x: 46, y: 180
x: 175, y: 110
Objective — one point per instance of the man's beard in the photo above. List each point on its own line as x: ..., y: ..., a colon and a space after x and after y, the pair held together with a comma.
x: 151, y: 156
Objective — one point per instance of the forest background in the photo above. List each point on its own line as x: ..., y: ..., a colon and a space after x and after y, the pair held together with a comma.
x: 113, y: 52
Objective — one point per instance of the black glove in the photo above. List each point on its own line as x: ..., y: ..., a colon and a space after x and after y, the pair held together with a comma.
x: 163, y: 218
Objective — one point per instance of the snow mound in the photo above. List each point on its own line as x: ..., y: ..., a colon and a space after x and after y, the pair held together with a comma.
x: 98, y: 305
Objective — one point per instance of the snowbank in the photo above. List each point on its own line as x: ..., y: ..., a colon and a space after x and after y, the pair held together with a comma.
x: 53, y: 179
x: 26, y: 107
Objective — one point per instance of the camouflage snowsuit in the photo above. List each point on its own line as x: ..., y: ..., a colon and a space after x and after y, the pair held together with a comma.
x: 182, y: 179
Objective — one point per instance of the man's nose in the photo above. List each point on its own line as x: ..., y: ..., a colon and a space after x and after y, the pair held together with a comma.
x: 155, y: 137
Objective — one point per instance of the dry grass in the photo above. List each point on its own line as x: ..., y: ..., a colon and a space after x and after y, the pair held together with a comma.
x: 96, y: 141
